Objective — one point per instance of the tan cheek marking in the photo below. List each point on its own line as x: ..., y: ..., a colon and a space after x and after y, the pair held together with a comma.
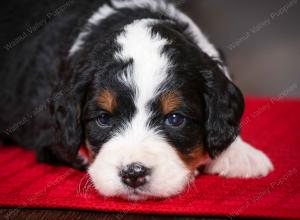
x: 170, y: 101
x: 195, y: 158
x: 107, y: 100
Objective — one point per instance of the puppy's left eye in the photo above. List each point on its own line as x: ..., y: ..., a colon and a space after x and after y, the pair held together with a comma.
x: 175, y: 120
x: 104, y: 120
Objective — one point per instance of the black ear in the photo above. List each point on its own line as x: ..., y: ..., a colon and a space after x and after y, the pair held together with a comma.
x: 224, y: 107
x: 67, y: 124
x: 66, y: 132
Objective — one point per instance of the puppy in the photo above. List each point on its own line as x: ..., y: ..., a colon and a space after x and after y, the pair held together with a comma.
x: 137, y: 83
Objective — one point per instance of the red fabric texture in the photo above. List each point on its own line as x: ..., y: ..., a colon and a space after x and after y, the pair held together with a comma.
x: 272, y: 125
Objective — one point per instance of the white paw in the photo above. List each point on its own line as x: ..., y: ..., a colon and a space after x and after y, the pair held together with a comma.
x: 240, y: 160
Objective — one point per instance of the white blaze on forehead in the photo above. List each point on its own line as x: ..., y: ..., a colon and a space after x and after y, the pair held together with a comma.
x: 170, y: 10
x: 149, y: 70
x: 161, y: 6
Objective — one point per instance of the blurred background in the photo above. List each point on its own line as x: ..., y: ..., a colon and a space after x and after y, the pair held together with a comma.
x: 260, y: 39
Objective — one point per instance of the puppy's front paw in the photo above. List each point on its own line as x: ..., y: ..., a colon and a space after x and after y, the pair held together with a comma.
x: 240, y: 160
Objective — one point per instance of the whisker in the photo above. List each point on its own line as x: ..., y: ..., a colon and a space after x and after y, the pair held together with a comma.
x: 87, y: 185
x: 82, y: 184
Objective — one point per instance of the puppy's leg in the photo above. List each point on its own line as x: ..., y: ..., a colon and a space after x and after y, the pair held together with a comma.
x: 240, y: 160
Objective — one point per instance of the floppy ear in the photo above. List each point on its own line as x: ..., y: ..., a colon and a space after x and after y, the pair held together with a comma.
x: 224, y: 107
x: 66, y: 131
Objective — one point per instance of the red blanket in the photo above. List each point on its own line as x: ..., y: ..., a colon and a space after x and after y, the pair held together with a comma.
x: 272, y: 125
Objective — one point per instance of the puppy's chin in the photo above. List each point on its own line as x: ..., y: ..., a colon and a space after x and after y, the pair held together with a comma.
x: 169, y: 175
x: 134, y: 197
x: 139, y: 195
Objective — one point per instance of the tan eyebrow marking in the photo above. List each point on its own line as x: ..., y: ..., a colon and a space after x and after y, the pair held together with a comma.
x: 170, y: 101
x: 107, y: 100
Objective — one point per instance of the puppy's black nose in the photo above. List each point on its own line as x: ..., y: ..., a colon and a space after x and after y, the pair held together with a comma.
x: 134, y: 175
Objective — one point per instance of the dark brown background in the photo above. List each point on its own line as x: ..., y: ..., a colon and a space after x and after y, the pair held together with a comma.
x: 268, y: 61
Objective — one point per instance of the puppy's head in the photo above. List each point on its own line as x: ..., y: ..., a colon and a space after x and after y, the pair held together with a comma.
x: 155, y: 108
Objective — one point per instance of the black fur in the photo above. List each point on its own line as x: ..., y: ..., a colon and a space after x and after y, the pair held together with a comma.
x: 55, y: 96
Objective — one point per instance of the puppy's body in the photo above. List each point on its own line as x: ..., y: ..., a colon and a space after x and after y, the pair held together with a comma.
x: 31, y: 68
x: 137, y: 82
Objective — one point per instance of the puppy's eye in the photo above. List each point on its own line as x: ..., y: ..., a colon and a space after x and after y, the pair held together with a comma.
x: 104, y: 120
x: 175, y: 120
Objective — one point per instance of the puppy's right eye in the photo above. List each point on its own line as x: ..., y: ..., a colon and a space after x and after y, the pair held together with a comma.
x: 104, y: 120
x: 175, y: 120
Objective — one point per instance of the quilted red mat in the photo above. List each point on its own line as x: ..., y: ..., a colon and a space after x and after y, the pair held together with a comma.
x: 272, y: 125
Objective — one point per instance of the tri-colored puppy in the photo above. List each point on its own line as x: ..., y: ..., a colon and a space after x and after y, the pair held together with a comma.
x: 138, y: 83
